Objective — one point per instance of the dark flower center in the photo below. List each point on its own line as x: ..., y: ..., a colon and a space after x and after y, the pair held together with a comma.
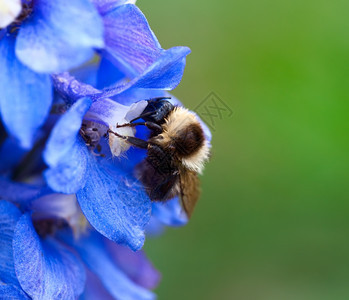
x: 45, y: 227
x: 92, y: 133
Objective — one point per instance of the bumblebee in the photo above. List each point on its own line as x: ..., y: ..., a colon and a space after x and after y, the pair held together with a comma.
x: 176, y: 152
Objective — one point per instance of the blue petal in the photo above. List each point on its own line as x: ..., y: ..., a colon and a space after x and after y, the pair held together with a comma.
x: 115, y: 204
x: 64, y: 134
x: 71, y: 89
x: 108, y: 74
x: 94, y: 288
x: 130, y: 43
x: 11, y: 292
x: 104, y: 6
x: 9, y: 215
x: 155, y: 227
x: 134, y: 94
x: 65, y: 153
x: 45, y: 268
x: 69, y: 174
x: 87, y: 73
x: 60, y: 35
x: 93, y: 253
x: 170, y: 213
x: 11, y: 154
x: 25, y: 96
x: 21, y: 193
x: 164, y: 74
x: 134, y: 155
x: 135, y: 265
x: 56, y: 206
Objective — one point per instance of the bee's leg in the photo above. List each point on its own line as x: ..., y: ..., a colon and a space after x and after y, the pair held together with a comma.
x: 152, y: 126
x: 132, y: 140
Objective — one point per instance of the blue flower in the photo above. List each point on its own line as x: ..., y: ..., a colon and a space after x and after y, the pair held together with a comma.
x: 41, y: 258
x: 54, y: 36
x: 112, y: 200
x: 73, y: 217
x: 48, y: 36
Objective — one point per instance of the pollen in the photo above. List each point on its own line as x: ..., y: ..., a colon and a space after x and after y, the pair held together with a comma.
x: 119, y: 146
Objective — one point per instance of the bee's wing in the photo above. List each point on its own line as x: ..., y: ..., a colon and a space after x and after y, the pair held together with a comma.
x: 190, y: 190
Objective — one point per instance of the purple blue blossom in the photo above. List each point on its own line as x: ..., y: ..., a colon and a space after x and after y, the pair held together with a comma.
x: 48, y: 36
x: 38, y: 263
x: 55, y: 36
x: 104, y: 188
x: 73, y: 218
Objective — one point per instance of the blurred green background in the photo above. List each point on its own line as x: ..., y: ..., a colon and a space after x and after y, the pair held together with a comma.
x: 273, y: 219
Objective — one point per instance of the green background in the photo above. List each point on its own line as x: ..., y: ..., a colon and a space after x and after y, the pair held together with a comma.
x: 273, y: 219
